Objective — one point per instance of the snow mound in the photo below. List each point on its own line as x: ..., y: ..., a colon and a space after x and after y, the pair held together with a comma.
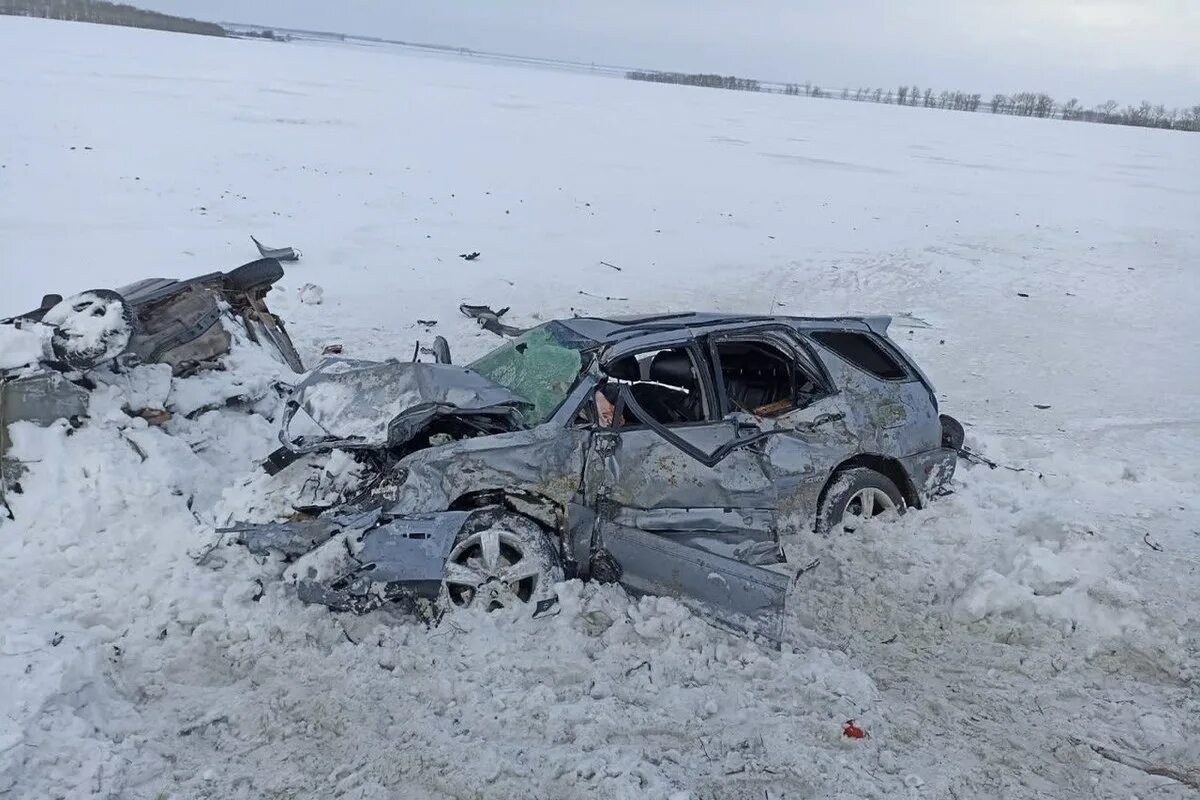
x: 21, y: 347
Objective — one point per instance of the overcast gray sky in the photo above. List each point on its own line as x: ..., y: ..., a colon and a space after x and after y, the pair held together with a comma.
x: 1126, y: 50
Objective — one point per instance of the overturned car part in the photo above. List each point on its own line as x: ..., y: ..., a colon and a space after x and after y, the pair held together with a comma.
x: 153, y: 321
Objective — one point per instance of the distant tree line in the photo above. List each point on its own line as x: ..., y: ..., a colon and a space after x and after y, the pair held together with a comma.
x: 710, y: 81
x: 1022, y: 104
x: 104, y: 13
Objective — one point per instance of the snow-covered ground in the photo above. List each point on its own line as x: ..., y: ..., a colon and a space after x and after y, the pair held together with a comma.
x: 975, y: 641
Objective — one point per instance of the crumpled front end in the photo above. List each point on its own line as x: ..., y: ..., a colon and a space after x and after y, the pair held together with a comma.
x: 357, y: 405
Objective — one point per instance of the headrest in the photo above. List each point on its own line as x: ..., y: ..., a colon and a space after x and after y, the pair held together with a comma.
x: 624, y: 369
x: 673, y: 367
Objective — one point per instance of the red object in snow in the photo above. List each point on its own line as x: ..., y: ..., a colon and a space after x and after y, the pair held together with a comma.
x: 852, y: 731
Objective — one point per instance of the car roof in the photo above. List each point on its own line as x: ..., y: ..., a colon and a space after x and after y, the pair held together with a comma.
x: 609, y: 330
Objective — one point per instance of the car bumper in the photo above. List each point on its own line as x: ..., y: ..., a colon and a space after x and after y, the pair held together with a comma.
x: 359, y: 561
x: 930, y: 472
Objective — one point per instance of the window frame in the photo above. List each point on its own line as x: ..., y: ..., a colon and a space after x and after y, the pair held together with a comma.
x: 791, y: 347
x: 909, y: 374
x: 708, y: 386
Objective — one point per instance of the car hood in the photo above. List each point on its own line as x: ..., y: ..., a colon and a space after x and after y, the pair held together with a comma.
x: 354, y: 404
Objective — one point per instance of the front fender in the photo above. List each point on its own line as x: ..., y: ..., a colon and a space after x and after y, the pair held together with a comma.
x: 546, y: 461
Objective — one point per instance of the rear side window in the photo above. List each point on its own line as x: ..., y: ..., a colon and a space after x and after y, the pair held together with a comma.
x: 863, y: 352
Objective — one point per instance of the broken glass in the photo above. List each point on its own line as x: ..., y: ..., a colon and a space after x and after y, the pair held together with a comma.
x: 541, y: 365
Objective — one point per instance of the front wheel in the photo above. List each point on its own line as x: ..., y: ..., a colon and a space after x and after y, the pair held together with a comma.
x: 855, y: 496
x: 500, y: 560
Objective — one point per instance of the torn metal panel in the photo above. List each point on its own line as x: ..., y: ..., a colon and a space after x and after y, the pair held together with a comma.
x: 646, y: 471
x: 354, y: 404
x: 745, y: 596
x: 298, y: 537
x: 41, y: 398
x: 931, y: 471
x: 546, y: 461
x: 489, y: 320
x: 278, y: 253
x: 402, y: 557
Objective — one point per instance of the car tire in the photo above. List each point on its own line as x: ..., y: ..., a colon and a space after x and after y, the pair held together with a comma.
x: 255, y: 275
x: 90, y: 328
x: 501, y: 560
x: 855, y: 495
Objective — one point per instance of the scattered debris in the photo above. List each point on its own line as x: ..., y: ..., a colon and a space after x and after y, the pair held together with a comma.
x: 852, y: 731
x: 975, y: 458
x: 601, y: 296
x: 155, y: 416
x: 1022, y: 294
x: 312, y: 294
x: 809, y: 567
x: 1042, y: 406
x: 277, y: 253
x: 332, y: 349
x: 1155, y: 546
x: 427, y: 323
x: 469, y: 256
x: 489, y: 320
x: 905, y: 319
x: 612, y: 266
x: 632, y: 670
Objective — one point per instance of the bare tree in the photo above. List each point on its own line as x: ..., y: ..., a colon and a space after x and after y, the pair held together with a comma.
x: 901, y: 96
x: 1070, y: 109
x: 929, y: 98
x: 914, y: 94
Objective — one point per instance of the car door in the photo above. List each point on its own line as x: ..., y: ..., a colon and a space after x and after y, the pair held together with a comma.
x: 680, y: 504
x: 806, y: 430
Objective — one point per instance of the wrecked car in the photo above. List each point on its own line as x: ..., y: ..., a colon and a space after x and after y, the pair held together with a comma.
x: 675, y: 454
x: 184, y: 324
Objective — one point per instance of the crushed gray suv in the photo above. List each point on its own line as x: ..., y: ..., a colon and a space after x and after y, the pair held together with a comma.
x: 675, y: 454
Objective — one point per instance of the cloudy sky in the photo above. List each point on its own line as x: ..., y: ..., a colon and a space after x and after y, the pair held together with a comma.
x: 1126, y: 50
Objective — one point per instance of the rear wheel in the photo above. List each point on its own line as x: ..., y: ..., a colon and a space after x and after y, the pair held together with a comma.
x: 855, y: 496
x: 500, y: 560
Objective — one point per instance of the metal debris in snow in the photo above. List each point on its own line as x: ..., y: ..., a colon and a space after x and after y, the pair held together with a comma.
x: 489, y: 320
x: 277, y: 253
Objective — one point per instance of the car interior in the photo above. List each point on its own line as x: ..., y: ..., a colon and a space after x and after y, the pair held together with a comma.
x: 665, y: 383
x: 762, y: 380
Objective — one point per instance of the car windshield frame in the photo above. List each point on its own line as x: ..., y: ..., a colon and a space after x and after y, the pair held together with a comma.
x: 538, y: 367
